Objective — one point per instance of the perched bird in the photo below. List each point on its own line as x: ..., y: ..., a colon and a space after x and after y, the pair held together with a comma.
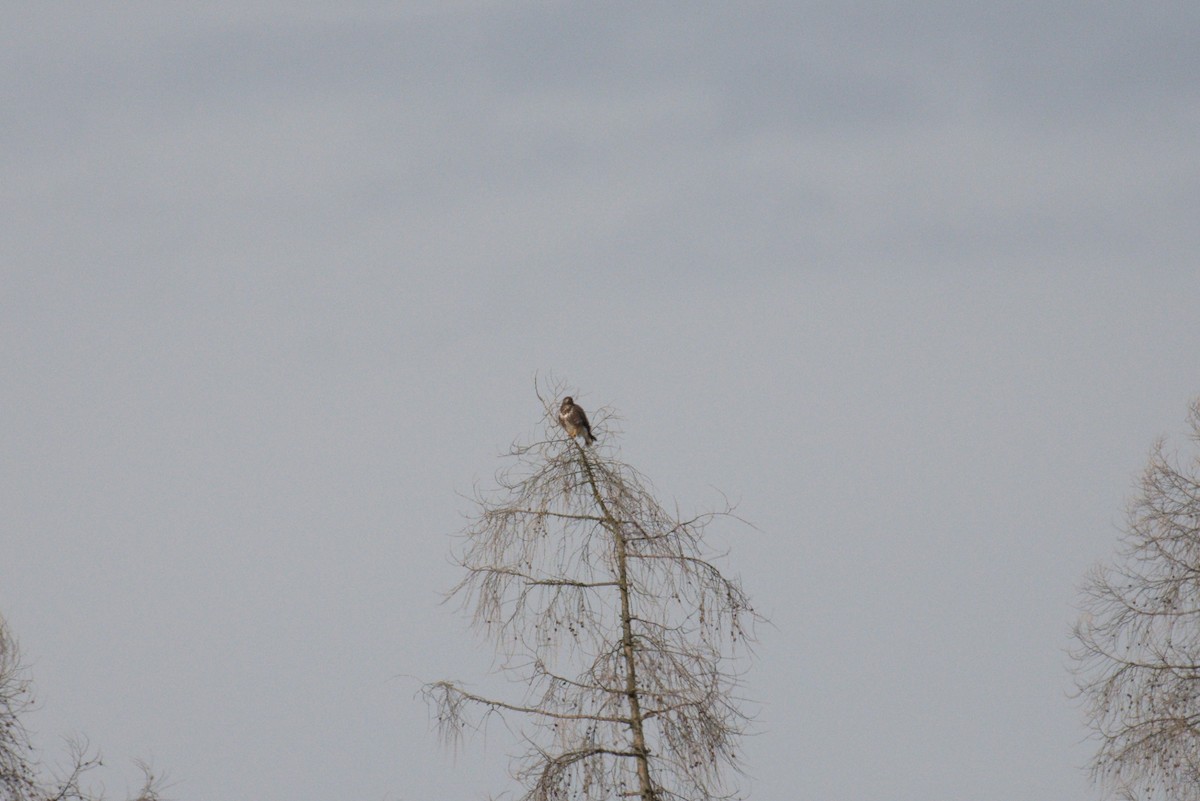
x: 574, y: 420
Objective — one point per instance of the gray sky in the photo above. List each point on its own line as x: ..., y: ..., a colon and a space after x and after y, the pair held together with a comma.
x: 916, y: 284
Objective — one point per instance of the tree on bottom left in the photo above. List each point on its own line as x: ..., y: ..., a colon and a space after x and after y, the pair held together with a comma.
x: 23, y: 776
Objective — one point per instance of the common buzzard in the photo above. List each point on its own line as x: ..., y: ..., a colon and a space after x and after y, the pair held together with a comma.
x: 574, y: 420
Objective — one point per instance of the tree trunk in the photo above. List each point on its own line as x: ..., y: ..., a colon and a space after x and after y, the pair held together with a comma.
x: 628, y: 640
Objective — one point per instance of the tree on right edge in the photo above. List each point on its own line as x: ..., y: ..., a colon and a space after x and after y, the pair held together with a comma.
x: 1137, y: 643
x: 610, y: 611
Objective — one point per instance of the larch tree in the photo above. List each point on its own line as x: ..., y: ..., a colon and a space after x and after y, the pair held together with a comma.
x: 1137, y: 642
x: 611, y: 611
x: 22, y: 778
x: 18, y: 779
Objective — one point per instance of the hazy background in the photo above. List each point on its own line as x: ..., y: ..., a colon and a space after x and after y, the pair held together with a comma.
x: 915, y: 284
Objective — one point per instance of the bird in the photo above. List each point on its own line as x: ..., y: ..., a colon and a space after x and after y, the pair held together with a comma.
x: 574, y: 420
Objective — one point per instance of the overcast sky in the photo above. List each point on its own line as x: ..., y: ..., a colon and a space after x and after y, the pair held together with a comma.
x: 915, y: 284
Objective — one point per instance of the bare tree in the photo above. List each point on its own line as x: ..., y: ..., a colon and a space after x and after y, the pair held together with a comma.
x: 21, y: 777
x: 611, y: 611
x: 1137, y: 643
